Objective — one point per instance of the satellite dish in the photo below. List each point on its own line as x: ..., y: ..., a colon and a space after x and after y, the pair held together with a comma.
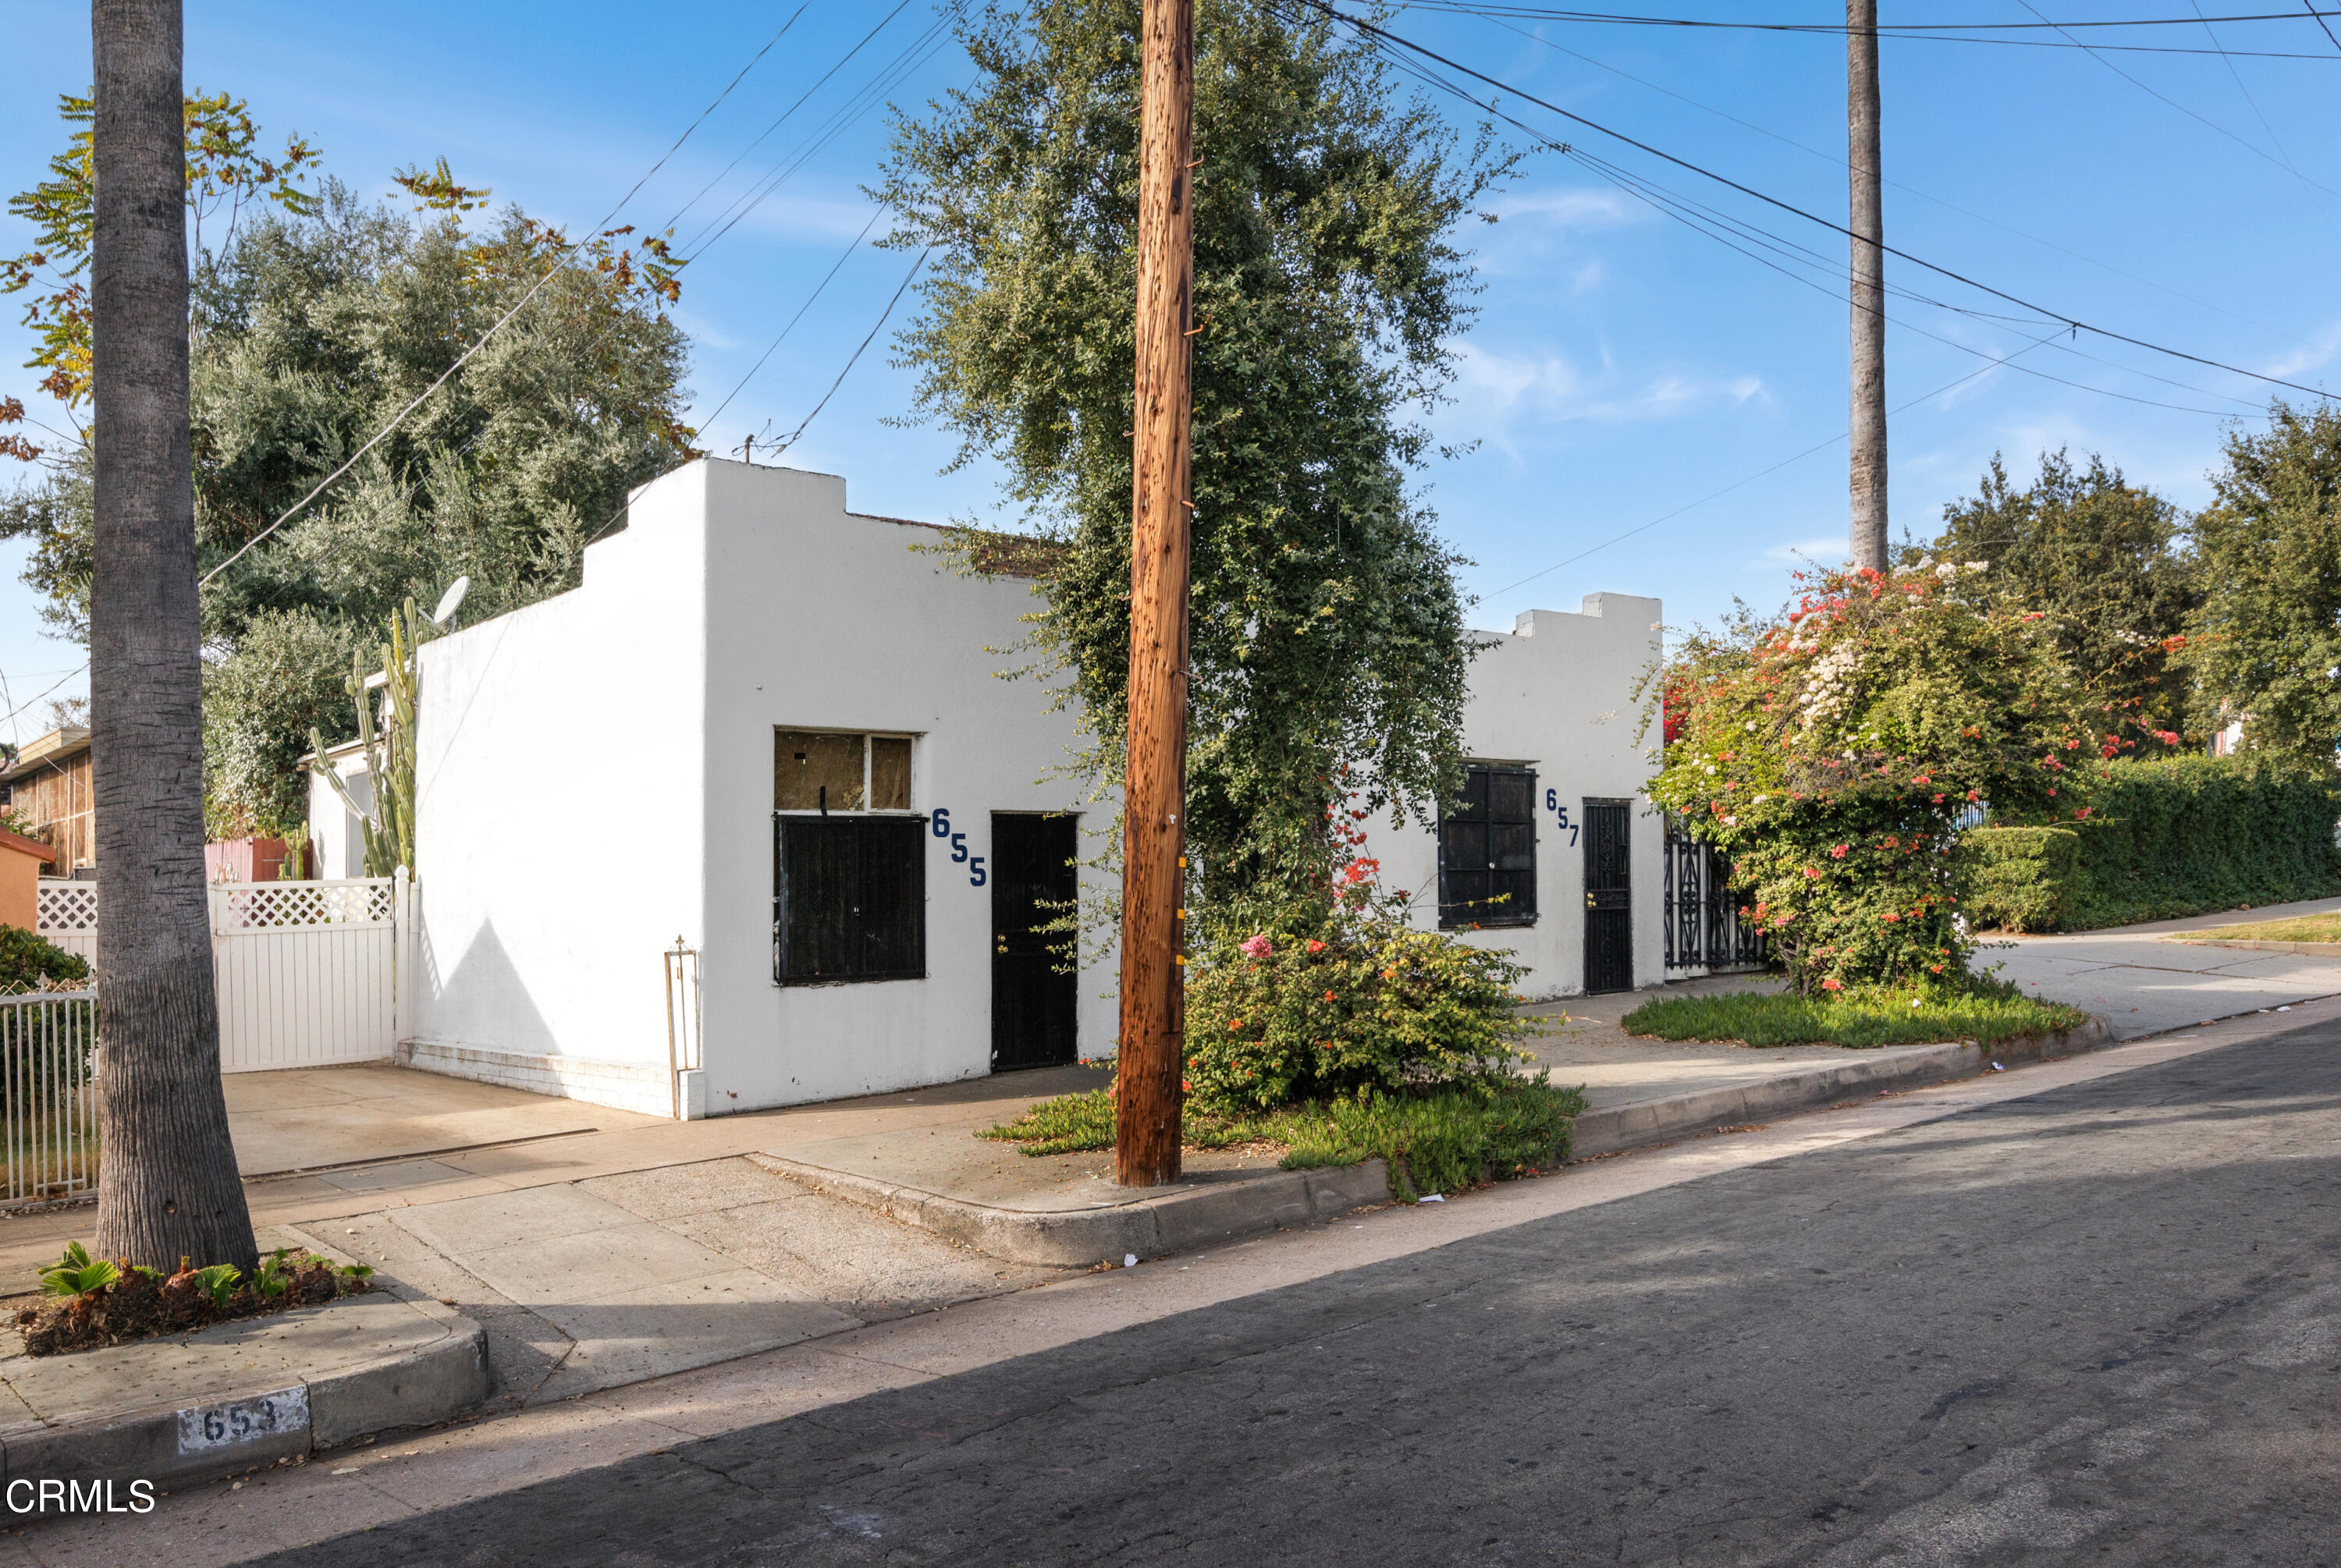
x: 451, y: 602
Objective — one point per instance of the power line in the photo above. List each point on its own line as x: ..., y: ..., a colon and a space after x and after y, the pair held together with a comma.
x: 1742, y: 483
x: 1490, y: 15
x: 793, y: 320
x: 2321, y: 21
x: 2074, y: 322
x: 2200, y: 119
x: 1540, y: 14
x: 792, y: 438
x: 1623, y: 18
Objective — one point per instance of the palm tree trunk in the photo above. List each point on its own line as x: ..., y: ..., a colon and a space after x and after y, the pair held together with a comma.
x: 1868, y: 545
x: 167, y: 1184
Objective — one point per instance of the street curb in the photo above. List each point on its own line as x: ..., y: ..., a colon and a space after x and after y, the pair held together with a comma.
x: 1180, y: 1220
x: 1613, y: 1129
x: 1194, y: 1216
x: 413, y: 1388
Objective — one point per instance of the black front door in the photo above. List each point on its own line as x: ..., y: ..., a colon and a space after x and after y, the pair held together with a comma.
x: 1032, y: 994
x: 1608, y: 898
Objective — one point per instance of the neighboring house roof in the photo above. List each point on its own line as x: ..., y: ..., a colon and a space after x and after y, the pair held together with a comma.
x: 23, y: 846
x: 309, y: 758
x: 58, y: 746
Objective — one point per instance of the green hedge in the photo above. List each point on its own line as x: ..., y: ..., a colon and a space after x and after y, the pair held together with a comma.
x: 2180, y: 835
x: 2022, y: 878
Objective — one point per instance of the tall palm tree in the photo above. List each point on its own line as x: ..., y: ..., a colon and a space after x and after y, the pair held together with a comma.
x: 167, y: 1185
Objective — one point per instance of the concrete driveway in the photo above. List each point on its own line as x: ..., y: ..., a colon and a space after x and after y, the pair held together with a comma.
x: 2143, y: 980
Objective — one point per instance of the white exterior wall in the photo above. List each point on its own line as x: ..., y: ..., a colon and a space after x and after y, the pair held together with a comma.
x: 595, y: 778
x: 1557, y: 695
x: 559, y: 790
x: 825, y: 620
x: 333, y: 834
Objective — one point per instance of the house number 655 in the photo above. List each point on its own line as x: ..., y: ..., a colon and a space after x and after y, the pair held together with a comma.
x: 939, y: 821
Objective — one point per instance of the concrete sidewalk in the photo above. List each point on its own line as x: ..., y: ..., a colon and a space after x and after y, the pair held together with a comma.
x: 2145, y: 979
x: 598, y: 1249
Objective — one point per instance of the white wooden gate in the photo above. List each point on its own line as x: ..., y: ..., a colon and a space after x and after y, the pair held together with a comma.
x: 307, y: 971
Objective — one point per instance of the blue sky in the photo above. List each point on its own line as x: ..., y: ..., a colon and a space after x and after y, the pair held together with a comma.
x: 1624, y: 366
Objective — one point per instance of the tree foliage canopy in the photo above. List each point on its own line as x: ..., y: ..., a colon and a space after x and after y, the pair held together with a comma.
x: 2105, y: 559
x: 2267, y: 636
x: 1831, y: 752
x: 1327, y: 626
x: 315, y: 318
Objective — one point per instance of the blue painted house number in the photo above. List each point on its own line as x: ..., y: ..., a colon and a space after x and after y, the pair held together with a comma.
x: 1561, y: 815
x: 941, y: 823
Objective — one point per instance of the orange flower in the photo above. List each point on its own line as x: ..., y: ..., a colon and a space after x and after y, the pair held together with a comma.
x: 1315, y: 946
x: 1329, y: 996
x: 1832, y: 984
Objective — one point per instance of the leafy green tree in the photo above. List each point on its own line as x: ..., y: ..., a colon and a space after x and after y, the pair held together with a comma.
x: 1327, y: 628
x: 2103, y: 558
x: 314, y: 319
x: 2266, y: 639
x: 1831, y: 752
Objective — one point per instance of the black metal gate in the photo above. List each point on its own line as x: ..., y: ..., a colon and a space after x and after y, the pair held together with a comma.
x: 1704, y: 931
x: 1033, y: 995
x: 1609, y: 896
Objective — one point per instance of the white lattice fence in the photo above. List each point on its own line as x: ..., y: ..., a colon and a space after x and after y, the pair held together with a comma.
x: 66, y: 914
x: 306, y: 970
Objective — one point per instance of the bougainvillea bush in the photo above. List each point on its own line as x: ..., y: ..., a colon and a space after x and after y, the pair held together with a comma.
x: 1334, y: 995
x: 1831, y: 752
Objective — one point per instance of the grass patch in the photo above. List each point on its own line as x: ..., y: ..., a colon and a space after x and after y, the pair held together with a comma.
x: 2299, y: 928
x: 1861, y: 1019
x: 1436, y: 1139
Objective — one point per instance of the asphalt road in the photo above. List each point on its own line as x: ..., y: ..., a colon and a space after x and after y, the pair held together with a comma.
x: 2101, y: 1324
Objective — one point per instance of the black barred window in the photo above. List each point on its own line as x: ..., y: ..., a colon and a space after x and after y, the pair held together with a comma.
x: 1487, y: 851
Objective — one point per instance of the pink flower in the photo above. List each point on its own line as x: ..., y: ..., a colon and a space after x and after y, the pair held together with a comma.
x: 1812, y: 871
x: 1258, y: 947
x: 2083, y: 812
x: 1836, y: 852
x: 1889, y: 920
x: 1832, y: 984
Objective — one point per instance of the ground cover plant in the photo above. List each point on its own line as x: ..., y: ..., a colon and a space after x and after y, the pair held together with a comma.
x: 1436, y: 1139
x: 1863, y: 1017
x: 2298, y: 928
x: 88, y: 1303
x: 1329, y: 1026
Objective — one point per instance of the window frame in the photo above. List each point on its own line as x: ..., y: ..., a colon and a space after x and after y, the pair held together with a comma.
x: 858, y: 830
x: 869, y: 738
x: 1520, y: 910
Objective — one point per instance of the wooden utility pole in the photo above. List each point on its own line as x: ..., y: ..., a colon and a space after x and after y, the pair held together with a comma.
x: 1148, y: 1097
x: 167, y: 1185
x: 1868, y: 226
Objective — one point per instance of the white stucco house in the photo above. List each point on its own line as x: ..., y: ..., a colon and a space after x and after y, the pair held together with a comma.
x: 775, y: 731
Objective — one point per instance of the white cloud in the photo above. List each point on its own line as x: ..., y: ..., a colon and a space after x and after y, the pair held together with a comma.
x: 2314, y: 354
x: 1571, y: 207
x: 1493, y: 387
x: 1828, y: 549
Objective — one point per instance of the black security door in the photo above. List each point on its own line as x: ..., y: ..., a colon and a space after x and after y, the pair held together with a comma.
x: 1032, y: 878
x: 1608, y: 898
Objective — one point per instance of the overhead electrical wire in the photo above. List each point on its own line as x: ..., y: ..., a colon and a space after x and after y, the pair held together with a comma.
x: 464, y: 358
x: 1368, y: 29
x: 1883, y: 28
x: 1494, y: 8
x: 1759, y: 474
x: 1706, y: 220
x: 2205, y: 120
x: 793, y: 320
x: 1968, y: 213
